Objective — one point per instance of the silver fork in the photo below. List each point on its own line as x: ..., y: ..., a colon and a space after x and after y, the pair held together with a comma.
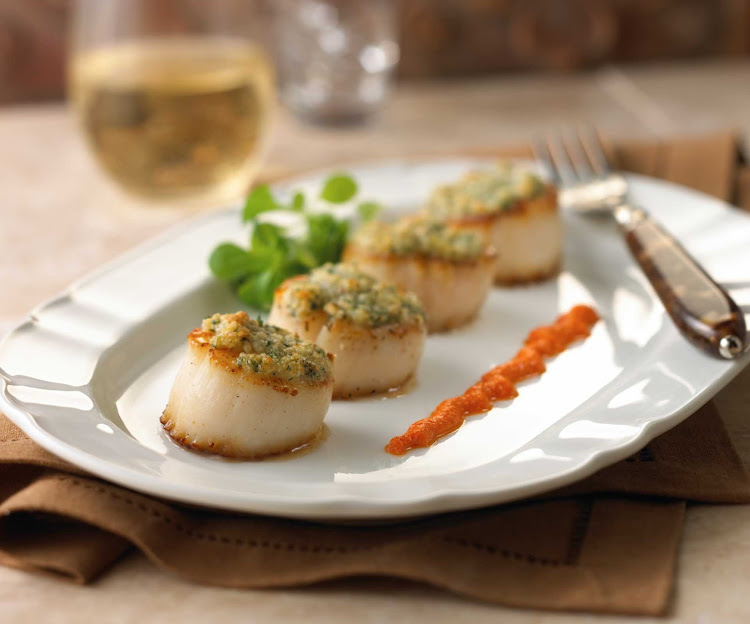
x: 701, y: 309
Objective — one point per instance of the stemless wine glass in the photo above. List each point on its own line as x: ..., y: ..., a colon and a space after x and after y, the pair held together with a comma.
x: 174, y: 96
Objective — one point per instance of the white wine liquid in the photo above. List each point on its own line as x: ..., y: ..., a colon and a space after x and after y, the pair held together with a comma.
x: 175, y: 117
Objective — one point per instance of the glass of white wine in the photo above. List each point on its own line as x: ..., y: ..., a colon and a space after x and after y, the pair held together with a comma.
x: 173, y: 96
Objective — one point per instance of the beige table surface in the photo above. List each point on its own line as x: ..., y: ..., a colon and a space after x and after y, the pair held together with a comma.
x: 59, y: 219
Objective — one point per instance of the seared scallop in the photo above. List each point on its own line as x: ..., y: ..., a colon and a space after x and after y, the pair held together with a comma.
x: 515, y: 212
x: 450, y: 270
x: 248, y: 390
x: 375, y: 331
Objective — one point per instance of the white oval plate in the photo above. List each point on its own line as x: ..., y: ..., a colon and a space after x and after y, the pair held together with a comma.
x: 88, y: 374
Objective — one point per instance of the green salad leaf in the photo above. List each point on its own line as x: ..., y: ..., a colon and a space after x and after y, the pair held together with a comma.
x: 257, y: 290
x: 229, y: 262
x: 274, y: 254
x: 259, y: 201
x: 298, y: 202
x: 368, y: 210
x: 339, y: 188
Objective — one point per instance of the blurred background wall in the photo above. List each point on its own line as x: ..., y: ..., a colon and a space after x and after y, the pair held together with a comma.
x: 445, y: 37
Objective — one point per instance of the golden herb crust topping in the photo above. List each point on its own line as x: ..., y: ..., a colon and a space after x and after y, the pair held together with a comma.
x: 341, y: 291
x: 420, y: 236
x: 484, y: 192
x: 267, y: 350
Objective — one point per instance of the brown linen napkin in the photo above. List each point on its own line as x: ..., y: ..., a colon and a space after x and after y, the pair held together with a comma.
x: 607, y: 553
x: 606, y: 544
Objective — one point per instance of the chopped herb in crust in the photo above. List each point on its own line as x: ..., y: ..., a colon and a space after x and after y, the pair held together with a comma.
x: 420, y: 236
x: 341, y: 291
x: 267, y: 350
x: 484, y: 192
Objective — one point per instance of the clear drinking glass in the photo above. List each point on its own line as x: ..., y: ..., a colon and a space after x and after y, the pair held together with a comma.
x: 335, y: 57
x: 174, y: 96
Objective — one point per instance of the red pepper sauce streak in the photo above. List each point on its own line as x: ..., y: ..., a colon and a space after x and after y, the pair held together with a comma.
x: 498, y: 384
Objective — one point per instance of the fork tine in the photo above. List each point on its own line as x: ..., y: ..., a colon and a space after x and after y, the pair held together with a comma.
x: 542, y: 154
x: 577, y: 154
x: 592, y: 146
x: 561, y: 161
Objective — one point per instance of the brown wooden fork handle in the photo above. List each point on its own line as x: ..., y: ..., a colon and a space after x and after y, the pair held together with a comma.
x: 702, y: 310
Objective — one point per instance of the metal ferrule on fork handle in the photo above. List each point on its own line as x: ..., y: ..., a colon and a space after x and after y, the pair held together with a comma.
x: 628, y: 216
